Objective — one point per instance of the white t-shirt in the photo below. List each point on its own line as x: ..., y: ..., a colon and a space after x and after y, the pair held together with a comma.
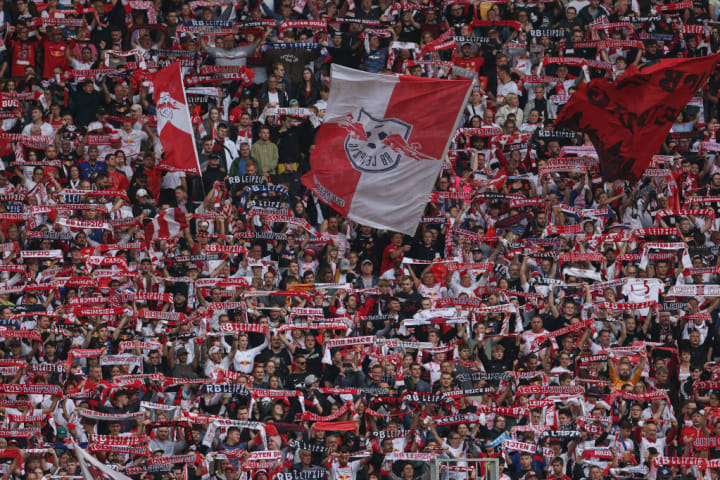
x: 45, y: 129
x: 171, y: 180
x: 273, y: 99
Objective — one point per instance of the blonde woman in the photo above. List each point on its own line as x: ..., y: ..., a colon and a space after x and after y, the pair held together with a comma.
x: 511, y: 105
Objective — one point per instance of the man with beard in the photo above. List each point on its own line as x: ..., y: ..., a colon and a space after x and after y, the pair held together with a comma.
x: 622, y: 375
x: 409, y: 299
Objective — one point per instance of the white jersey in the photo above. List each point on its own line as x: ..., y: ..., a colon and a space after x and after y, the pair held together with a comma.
x: 645, y: 444
x: 243, y: 361
x: 642, y: 290
x: 348, y: 472
x: 529, y: 336
x: 703, y: 329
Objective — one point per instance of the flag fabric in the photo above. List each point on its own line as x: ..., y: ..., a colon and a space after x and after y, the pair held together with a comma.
x: 173, y: 121
x: 628, y: 120
x: 382, y: 145
x: 168, y: 224
x: 92, y: 469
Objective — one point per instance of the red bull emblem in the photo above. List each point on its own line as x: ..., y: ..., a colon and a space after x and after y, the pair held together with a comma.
x: 165, y: 106
x: 376, y: 146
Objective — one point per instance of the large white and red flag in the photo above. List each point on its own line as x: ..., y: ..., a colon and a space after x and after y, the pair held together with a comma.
x: 168, y: 224
x: 173, y: 121
x: 383, y: 144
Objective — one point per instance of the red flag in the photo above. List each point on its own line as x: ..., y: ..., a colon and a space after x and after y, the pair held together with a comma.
x: 173, y: 121
x: 382, y: 145
x: 629, y: 119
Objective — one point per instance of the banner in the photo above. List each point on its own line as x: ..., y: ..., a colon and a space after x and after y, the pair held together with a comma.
x: 363, y: 155
x: 629, y: 119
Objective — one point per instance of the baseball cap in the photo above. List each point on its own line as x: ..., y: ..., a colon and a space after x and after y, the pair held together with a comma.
x: 141, y: 193
x: 309, y: 251
x: 664, y: 472
x: 214, y: 350
x: 294, y: 102
x: 309, y: 380
x: 367, y: 260
x: 344, y: 265
x: 92, y: 126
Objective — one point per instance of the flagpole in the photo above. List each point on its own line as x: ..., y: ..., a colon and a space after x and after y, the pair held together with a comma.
x: 85, y: 472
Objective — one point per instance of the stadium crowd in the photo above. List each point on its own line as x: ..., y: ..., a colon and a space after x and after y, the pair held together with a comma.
x: 231, y: 326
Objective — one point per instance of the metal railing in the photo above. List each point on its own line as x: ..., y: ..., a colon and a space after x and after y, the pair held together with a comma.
x: 442, y: 469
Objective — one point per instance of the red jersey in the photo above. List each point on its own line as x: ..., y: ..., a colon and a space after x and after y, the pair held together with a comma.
x: 689, y: 432
x: 54, y: 57
x: 23, y: 55
x: 473, y: 64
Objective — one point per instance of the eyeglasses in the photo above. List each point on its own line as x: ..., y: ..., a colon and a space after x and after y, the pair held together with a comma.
x: 300, y: 363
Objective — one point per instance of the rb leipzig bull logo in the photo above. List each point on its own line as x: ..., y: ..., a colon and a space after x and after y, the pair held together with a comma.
x: 165, y: 106
x: 376, y: 146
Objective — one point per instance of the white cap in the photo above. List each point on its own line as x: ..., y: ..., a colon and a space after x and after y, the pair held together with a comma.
x: 141, y: 193
x: 214, y: 350
x: 95, y: 126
